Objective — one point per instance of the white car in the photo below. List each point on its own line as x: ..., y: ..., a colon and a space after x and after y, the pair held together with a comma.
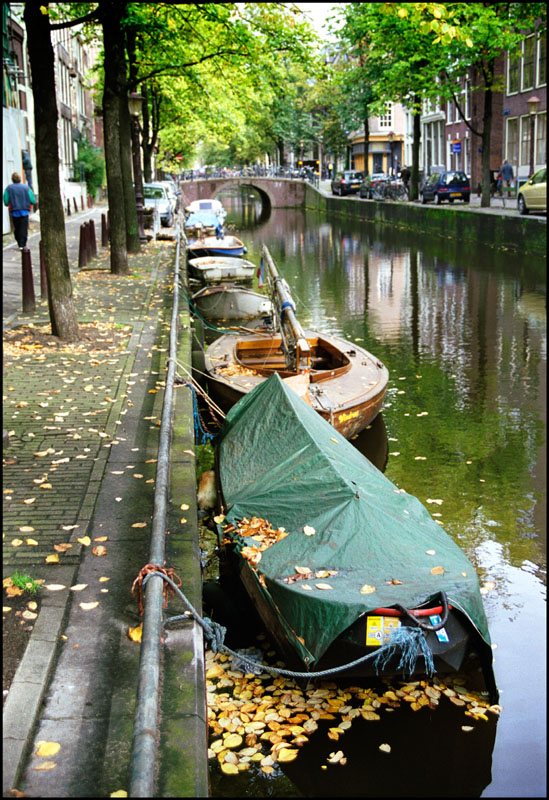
x: 173, y: 193
x: 155, y: 195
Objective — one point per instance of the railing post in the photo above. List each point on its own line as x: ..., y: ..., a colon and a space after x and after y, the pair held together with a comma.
x: 75, y: 205
x: 29, y: 303
x: 68, y: 207
x: 43, y: 276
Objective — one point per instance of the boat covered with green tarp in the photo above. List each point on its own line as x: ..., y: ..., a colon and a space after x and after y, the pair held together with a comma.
x: 357, y: 556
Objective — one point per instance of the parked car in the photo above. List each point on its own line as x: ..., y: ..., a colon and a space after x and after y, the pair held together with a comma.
x: 347, y: 182
x: 365, y: 188
x: 173, y: 193
x: 448, y: 186
x: 532, y: 195
x: 155, y: 195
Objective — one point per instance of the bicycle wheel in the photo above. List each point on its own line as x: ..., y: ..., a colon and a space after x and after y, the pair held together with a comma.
x: 401, y: 193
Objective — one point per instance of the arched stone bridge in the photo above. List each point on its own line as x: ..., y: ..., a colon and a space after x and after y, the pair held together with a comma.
x: 274, y: 192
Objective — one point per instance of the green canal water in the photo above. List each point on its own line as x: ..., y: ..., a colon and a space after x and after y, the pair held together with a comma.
x: 462, y: 330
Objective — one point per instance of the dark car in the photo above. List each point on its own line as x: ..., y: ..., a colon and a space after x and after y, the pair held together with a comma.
x: 370, y: 182
x: 448, y: 186
x: 347, y: 182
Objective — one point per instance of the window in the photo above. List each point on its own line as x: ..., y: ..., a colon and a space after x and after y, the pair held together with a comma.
x: 450, y: 108
x: 525, y: 140
x: 511, y: 142
x: 542, y: 61
x: 513, y: 75
x: 528, y: 63
x: 541, y: 138
x: 386, y: 119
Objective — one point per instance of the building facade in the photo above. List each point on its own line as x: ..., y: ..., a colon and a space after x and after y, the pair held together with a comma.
x: 76, y: 112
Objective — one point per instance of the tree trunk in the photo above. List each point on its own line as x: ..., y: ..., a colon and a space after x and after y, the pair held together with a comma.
x: 132, y: 227
x: 487, y: 139
x: 366, y: 145
x: 126, y: 153
x: 416, y: 141
x: 64, y: 323
x: 114, y: 56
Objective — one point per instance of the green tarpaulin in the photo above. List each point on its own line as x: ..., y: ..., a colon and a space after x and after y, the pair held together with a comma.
x: 279, y: 460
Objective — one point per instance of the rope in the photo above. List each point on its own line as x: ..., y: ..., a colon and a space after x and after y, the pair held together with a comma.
x: 409, y: 640
x: 199, y: 431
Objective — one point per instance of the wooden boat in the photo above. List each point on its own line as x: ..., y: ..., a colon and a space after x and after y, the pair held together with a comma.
x: 336, y: 559
x: 230, y: 301
x: 212, y: 269
x: 343, y: 382
x: 210, y: 205
x: 212, y: 246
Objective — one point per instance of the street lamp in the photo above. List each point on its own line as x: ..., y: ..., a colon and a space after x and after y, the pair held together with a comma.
x: 533, y: 103
x: 135, y: 102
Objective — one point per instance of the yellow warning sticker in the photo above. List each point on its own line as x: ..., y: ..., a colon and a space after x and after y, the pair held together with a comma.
x: 380, y: 629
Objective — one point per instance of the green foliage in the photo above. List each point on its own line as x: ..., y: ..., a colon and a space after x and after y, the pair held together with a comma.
x: 93, y: 164
x: 25, y: 582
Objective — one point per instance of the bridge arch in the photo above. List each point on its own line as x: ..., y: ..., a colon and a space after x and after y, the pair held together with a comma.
x: 274, y: 192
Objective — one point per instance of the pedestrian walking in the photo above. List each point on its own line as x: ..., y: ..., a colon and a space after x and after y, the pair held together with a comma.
x: 505, y: 176
x: 19, y: 198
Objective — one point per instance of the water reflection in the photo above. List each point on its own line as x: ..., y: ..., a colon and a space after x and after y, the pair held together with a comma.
x: 462, y: 330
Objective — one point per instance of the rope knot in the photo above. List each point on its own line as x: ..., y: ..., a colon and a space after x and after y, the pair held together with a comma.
x: 167, y: 591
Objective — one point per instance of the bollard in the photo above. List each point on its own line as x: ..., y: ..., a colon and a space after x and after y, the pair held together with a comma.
x: 104, y: 234
x: 87, y: 244
x: 29, y: 303
x: 43, y: 277
x: 82, y: 249
x: 82, y: 202
x: 108, y: 223
x: 68, y: 207
x: 93, y: 240
x: 75, y: 205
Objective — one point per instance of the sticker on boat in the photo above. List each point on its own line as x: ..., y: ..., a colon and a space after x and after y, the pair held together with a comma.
x: 379, y: 630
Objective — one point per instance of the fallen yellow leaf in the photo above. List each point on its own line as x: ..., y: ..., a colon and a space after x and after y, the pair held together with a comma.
x: 136, y: 633
x: 78, y: 587
x: 99, y: 550
x: 85, y: 540
x: 437, y: 571
x: 45, y: 765
x: 139, y: 525
x: 54, y: 587
x: 47, y: 749
x: 367, y: 589
x: 119, y: 793
x: 385, y: 748
x: 32, y: 542
x: 53, y: 559
x: 89, y: 606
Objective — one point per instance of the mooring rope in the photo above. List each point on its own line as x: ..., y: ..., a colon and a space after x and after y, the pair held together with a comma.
x: 410, y: 641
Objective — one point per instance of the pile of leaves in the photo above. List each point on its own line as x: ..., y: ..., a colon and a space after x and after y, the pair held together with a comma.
x: 235, y: 369
x: 261, y: 531
x: 264, y: 720
x: 95, y: 336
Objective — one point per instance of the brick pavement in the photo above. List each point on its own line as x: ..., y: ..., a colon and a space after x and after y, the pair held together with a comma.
x: 83, y: 434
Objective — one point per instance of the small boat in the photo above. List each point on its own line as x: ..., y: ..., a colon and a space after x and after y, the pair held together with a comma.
x: 201, y: 223
x: 343, y: 382
x: 229, y: 301
x: 212, y: 269
x: 212, y: 246
x: 209, y: 205
x: 336, y: 559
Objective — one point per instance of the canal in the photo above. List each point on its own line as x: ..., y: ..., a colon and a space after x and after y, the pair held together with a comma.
x: 462, y: 331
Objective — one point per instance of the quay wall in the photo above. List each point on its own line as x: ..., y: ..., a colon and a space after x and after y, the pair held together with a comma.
x: 503, y: 231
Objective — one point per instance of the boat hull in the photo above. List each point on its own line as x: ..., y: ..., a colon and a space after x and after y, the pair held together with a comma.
x: 214, y: 269
x: 349, y: 397
x: 210, y: 246
x: 231, y: 302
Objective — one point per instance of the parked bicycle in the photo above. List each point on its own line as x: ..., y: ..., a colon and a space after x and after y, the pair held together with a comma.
x: 389, y: 190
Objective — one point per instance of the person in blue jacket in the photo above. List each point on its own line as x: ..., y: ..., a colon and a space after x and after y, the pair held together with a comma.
x: 19, y: 198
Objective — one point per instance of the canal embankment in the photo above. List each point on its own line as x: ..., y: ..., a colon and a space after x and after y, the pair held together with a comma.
x: 495, y: 227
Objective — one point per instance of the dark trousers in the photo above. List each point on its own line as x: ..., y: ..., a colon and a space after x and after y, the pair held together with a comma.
x: 21, y: 230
